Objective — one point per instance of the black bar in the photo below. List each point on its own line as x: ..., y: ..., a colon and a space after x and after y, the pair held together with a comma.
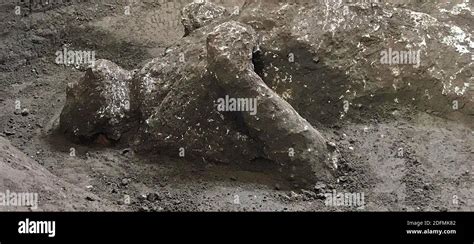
x: 241, y: 226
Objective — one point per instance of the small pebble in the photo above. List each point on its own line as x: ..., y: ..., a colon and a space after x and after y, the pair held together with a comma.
x: 25, y: 112
x: 125, y: 181
x: 277, y: 187
x: 152, y: 197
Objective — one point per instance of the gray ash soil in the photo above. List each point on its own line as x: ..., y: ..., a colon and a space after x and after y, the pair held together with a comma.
x: 435, y: 164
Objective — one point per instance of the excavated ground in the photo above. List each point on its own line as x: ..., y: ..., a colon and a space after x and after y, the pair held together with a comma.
x: 435, y: 168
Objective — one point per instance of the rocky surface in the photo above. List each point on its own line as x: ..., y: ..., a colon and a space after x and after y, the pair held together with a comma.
x: 197, y: 15
x: 405, y: 156
x: 288, y: 138
x: 99, y: 103
x: 172, y: 96
x: 343, y: 45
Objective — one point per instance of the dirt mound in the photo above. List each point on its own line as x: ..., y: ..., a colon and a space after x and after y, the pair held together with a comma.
x: 20, y: 174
